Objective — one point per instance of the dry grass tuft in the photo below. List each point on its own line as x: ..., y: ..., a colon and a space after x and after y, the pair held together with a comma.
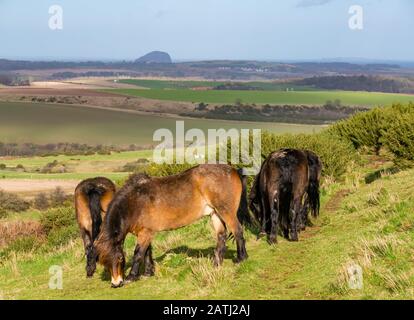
x: 13, y: 230
x: 206, y: 275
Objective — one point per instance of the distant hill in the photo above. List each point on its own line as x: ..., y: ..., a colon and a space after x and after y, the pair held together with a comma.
x: 360, y: 83
x: 155, y: 57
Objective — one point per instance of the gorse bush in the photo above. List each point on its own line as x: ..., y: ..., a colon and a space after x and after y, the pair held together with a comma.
x: 399, y: 139
x: 57, y: 218
x: 363, y: 129
x: 59, y: 225
x: 390, y: 127
x: 335, y: 152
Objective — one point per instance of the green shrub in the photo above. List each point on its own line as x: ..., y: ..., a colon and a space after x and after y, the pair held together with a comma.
x: 2, y: 166
x: 60, y: 225
x: 162, y: 170
x: 61, y: 236
x: 335, y: 153
x: 363, y: 129
x: 57, y: 218
x: 12, y: 202
x: 399, y: 139
x: 24, y: 244
x: 372, y: 129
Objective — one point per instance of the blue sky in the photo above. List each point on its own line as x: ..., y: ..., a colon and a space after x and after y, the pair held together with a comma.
x: 207, y: 29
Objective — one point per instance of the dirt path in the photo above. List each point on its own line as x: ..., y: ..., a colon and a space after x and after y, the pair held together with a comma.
x: 29, y: 187
x: 335, y: 202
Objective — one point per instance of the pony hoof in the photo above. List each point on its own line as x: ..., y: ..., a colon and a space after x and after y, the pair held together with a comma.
x: 272, y: 240
x: 261, y: 235
x: 149, y: 274
x: 240, y: 260
x: 130, y: 279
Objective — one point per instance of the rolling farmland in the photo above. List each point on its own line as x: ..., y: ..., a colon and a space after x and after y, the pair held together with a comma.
x: 47, y: 123
x: 268, y: 97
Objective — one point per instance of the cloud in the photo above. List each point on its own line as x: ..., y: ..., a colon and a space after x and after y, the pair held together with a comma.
x: 312, y: 3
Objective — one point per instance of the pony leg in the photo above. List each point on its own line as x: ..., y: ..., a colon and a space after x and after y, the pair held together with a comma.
x: 233, y: 224
x: 295, y: 216
x: 89, y: 252
x: 143, y: 241
x: 220, y: 230
x: 304, y: 214
x: 149, y: 263
x: 264, y: 215
x: 274, y: 217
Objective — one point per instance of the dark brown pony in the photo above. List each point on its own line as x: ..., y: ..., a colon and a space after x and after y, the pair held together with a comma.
x: 92, y: 197
x: 277, y: 193
x: 312, y: 196
x: 148, y: 205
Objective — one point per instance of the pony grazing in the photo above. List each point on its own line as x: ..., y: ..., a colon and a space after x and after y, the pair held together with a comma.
x: 92, y: 197
x: 148, y: 205
x: 277, y: 193
x: 312, y: 196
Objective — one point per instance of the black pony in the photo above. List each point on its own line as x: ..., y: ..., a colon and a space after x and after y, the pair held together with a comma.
x: 278, y: 191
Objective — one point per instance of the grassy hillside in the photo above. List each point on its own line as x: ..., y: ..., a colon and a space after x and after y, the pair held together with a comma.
x: 370, y: 225
x: 268, y: 97
x: 47, y: 123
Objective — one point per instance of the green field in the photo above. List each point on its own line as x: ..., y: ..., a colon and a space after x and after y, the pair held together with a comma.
x: 47, y: 123
x: 347, y: 98
x: 368, y: 225
x: 171, y: 84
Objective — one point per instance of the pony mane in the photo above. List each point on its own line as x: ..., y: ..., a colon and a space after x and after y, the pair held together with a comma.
x: 136, y: 179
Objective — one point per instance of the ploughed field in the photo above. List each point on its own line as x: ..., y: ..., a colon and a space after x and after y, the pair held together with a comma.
x: 49, y: 123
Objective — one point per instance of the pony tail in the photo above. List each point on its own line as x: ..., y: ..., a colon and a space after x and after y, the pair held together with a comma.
x: 243, y: 212
x: 314, y: 197
x: 94, y: 195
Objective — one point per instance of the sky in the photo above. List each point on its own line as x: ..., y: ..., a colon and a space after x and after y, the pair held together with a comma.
x: 207, y: 29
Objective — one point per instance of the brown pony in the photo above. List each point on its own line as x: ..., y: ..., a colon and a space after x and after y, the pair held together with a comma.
x: 277, y: 193
x: 148, y: 205
x: 92, y: 197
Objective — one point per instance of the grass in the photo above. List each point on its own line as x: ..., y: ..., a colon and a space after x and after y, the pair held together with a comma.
x: 269, y: 97
x: 47, y: 123
x: 370, y: 225
x: 79, y: 163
